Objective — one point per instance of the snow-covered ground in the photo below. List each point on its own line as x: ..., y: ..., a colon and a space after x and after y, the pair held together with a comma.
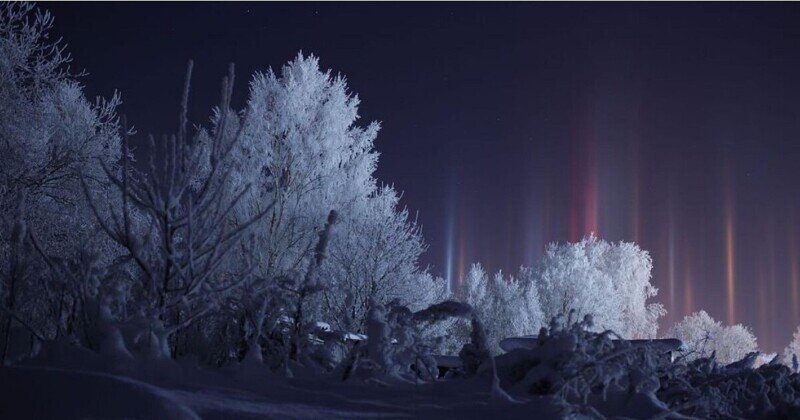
x: 36, y: 392
x: 40, y: 392
x: 566, y: 372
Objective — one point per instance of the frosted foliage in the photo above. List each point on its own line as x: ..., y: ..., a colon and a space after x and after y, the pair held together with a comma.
x: 611, y: 281
x: 374, y: 257
x: 696, y: 331
x: 792, y: 351
x: 182, y: 241
x: 702, y: 336
x: 734, y: 342
x: 530, y: 302
x: 300, y: 150
x: 508, y: 307
x: 51, y: 133
x: 51, y: 138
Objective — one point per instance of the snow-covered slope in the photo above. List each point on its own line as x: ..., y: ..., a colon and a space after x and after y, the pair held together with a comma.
x: 43, y: 393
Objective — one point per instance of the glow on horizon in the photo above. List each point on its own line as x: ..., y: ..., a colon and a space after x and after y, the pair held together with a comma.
x: 584, y: 189
x: 773, y: 293
x: 671, y: 257
x: 688, y: 288
x: 455, y: 259
x: 592, y: 192
x: 761, y: 301
x: 794, y: 270
x: 450, y: 224
x: 696, y: 266
x: 730, y: 253
x: 636, y: 221
x: 795, y: 289
x: 461, y: 258
x: 448, y: 264
x: 636, y: 218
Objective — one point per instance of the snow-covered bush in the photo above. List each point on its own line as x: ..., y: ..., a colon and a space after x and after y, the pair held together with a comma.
x: 399, y: 348
x: 702, y: 336
x: 476, y: 351
x: 394, y: 346
x: 705, y: 389
x: 597, y: 372
x: 600, y: 375
x: 611, y: 281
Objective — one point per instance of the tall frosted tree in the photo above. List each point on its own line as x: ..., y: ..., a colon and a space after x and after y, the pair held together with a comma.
x: 302, y: 150
x: 304, y: 154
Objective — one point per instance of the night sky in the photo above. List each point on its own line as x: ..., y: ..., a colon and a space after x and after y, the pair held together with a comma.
x: 509, y: 126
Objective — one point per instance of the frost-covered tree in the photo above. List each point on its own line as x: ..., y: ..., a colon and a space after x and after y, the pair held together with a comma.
x: 304, y: 154
x: 174, y: 225
x: 735, y: 342
x: 52, y: 137
x: 51, y: 134
x: 507, y: 306
x: 374, y: 258
x: 300, y: 148
x: 697, y: 332
x: 791, y: 355
x: 611, y: 281
x: 703, y: 336
x: 531, y: 303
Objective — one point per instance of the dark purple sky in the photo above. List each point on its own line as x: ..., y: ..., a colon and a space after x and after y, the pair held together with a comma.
x: 512, y: 125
